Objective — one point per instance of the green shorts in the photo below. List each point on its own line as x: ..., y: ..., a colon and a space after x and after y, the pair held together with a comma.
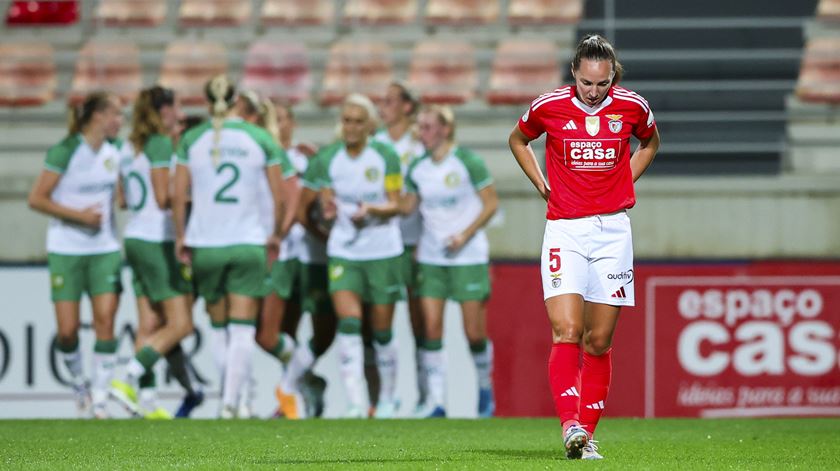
x: 314, y: 290
x: 376, y: 281
x: 284, y: 278
x: 409, y: 269
x: 72, y: 275
x: 236, y: 269
x: 459, y: 283
x: 157, y: 273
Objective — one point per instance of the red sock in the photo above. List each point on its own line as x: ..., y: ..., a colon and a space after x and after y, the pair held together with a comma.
x: 564, y: 377
x: 595, y: 381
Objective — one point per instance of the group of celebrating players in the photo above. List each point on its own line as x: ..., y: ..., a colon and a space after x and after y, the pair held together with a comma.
x: 232, y: 210
x: 264, y: 228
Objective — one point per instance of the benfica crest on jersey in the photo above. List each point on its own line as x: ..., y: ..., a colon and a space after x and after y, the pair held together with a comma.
x: 593, y: 125
x: 615, y: 122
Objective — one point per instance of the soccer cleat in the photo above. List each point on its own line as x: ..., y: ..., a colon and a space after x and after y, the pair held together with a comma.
x: 244, y: 411
x: 81, y: 393
x: 158, y: 414
x: 575, y: 440
x: 227, y: 413
x: 430, y: 411
x: 126, y: 395
x: 312, y: 389
x: 355, y: 412
x: 190, y: 402
x: 486, y: 403
x: 590, y: 451
x: 100, y: 412
x: 386, y: 409
x: 291, y: 405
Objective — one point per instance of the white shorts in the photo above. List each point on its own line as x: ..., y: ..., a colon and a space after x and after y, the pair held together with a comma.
x: 591, y: 256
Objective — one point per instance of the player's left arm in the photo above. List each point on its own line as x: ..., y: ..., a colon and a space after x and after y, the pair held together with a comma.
x: 489, y: 205
x: 383, y: 210
x: 644, y: 154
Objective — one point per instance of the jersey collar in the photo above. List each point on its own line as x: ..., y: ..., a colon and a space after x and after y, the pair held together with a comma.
x: 591, y: 110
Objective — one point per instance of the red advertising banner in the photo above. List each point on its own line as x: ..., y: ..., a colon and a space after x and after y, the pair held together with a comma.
x: 704, y: 340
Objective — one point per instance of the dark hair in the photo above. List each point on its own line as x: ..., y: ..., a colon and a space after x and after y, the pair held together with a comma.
x: 595, y: 47
x: 80, y: 116
x: 407, y: 95
x: 191, y: 121
x: 161, y: 96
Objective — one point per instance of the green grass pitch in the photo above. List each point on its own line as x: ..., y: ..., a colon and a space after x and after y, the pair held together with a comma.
x: 672, y: 444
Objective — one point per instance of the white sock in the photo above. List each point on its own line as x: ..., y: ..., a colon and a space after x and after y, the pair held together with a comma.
x: 238, y: 363
x: 434, y: 367
x: 73, y: 362
x: 219, y: 347
x: 422, y: 380
x: 103, y: 373
x: 148, y: 399
x: 302, y: 360
x: 352, y: 368
x: 386, y: 364
x: 288, y: 347
x: 134, y: 370
x: 484, y: 366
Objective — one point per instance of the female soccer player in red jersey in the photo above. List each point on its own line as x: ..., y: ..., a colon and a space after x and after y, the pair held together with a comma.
x: 587, y: 254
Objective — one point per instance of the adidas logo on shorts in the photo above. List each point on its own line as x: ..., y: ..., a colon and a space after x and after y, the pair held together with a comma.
x: 620, y: 294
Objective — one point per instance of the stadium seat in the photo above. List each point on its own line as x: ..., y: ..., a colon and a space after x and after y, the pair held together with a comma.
x: 187, y: 65
x: 460, y: 12
x: 828, y: 10
x: 522, y: 70
x: 111, y: 66
x: 214, y: 12
x: 443, y: 72
x: 819, y: 76
x: 27, y: 74
x: 131, y: 12
x: 47, y: 13
x: 297, y: 13
x: 536, y: 12
x: 380, y: 12
x: 363, y: 67
x: 279, y: 71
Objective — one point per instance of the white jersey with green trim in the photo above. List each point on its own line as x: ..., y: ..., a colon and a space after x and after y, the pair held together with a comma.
x: 365, y: 178
x: 226, y: 172
x: 291, y: 247
x: 310, y: 249
x: 449, y: 202
x: 146, y: 221
x: 88, y: 178
x: 408, y: 149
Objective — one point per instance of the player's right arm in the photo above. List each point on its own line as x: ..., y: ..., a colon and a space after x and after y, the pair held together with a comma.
x: 40, y: 197
x: 179, y: 204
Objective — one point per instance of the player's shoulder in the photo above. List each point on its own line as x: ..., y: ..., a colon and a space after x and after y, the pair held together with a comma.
x: 194, y: 133
x: 556, y: 97
x: 631, y: 98
x: 384, y: 149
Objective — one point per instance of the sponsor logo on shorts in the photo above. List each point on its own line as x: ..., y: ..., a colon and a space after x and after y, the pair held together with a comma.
x: 186, y: 273
x: 336, y: 271
x: 57, y: 281
x: 556, y: 281
x: 626, y: 276
x: 593, y: 155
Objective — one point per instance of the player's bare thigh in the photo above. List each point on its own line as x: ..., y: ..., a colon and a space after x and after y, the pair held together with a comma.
x: 565, y: 312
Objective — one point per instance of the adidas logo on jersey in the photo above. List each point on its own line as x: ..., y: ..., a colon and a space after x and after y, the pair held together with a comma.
x: 570, y: 392
x: 570, y: 126
x: 620, y: 294
x: 596, y: 405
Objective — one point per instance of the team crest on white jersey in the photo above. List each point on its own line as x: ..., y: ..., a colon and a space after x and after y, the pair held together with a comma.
x: 372, y: 174
x: 615, y: 122
x: 593, y: 125
x: 451, y: 180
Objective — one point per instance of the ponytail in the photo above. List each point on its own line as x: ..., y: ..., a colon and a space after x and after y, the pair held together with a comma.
x: 268, y: 119
x: 595, y: 47
x: 219, y: 92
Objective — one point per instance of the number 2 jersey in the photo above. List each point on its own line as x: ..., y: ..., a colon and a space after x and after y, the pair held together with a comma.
x: 225, y: 182
x: 588, y: 149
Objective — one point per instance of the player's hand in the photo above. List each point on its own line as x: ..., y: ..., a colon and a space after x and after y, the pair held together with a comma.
x: 182, y: 252
x: 307, y: 148
x: 272, y: 249
x: 360, y: 215
x: 545, y: 193
x: 92, y: 216
x: 456, y: 242
x: 329, y: 211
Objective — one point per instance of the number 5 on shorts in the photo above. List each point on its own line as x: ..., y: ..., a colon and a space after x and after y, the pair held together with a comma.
x: 554, y: 260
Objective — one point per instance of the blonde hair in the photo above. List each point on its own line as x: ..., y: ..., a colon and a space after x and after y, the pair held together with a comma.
x: 444, y: 115
x: 78, y: 117
x: 268, y: 118
x: 362, y: 101
x: 220, y: 92
x: 145, y: 119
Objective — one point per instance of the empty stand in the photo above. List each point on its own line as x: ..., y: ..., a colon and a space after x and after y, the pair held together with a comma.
x: 462, y: 12
x: 380, y: 12
x: 522, y: 70
x: 538, y: 12
x: 278, y: 70
x: 214, y: 12
x: 363, y: 67
x: 819, y: 77
x: 188, y: 65
x: 46, y: 13
x: 111, y: 66
x: 443, y: 72
x: 27, y: 74
x: 131, y: 12
x: 297, y: 13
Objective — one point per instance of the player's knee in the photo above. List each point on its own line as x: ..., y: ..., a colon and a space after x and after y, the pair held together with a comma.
x: 103, y: 325
x: 567, y: 334
x: 596, y: 344
x: 183, y: 327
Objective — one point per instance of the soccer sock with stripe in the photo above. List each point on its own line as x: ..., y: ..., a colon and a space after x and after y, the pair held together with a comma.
x: 71, y: 355
x: 351, y: 352
x: 595, y: 385
x: 482, y: 354
x: 104, y: 362
x: 302, y: 359
x: 285, y: 347
x: 240, y: 352
x: 564, y: 378
x: 422, y: 382
x: 434, y: 366
x: 386, y: 363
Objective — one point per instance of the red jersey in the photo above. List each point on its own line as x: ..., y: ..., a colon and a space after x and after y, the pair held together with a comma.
x: 588, y: 149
